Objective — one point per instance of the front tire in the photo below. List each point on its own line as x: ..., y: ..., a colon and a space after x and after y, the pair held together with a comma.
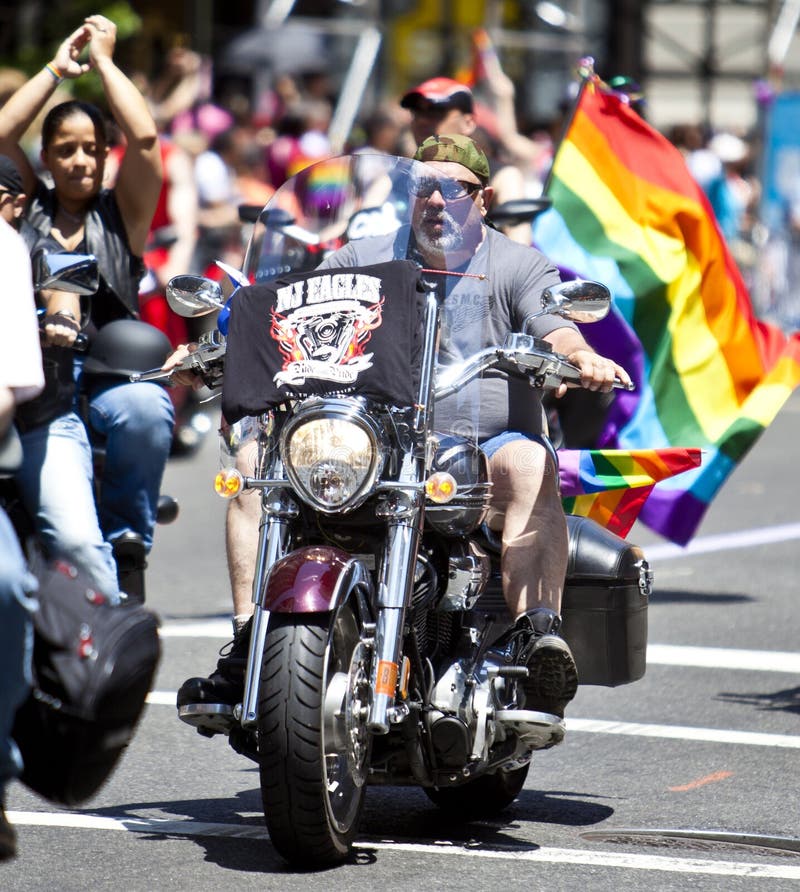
x: 312, y: 738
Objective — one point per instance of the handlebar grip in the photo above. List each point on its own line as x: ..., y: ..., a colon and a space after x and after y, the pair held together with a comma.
x: 79, y: 345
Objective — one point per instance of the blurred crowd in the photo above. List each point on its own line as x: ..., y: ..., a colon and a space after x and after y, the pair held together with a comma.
x: 220, y: 152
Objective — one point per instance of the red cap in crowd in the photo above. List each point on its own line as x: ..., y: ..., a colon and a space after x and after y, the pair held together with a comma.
x: 439, y: 93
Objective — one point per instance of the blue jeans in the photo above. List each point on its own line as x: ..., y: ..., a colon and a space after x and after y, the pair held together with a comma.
x: 493, y: 444
x: 136, y: 422
x: 16, y: 643
x: 55, y: 485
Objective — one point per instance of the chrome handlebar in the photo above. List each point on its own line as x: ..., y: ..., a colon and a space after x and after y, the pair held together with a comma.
x: 521, y: 354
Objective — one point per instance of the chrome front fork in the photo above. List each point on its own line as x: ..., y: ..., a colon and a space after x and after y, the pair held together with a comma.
x: 394, y: 592
x: 272, y: 538
x: 403, y: 514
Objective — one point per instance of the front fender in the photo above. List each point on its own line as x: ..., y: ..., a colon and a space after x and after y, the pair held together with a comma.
x: 311, y: 580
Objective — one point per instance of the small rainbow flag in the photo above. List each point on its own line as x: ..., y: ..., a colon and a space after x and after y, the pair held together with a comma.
x: 483, y: 56
x: 626, y: 212
x: 323, y: 185
x: 612, y: 485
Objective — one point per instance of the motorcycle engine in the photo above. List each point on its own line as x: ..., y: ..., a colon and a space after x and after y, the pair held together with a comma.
x: 467, y: 701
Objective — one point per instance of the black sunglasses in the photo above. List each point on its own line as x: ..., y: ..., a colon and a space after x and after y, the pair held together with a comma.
x: 450, y: 190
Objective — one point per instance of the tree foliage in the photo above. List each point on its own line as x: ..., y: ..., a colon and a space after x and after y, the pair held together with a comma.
x: 34, y: 33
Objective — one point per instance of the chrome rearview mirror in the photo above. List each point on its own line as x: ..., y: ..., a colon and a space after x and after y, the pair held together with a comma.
x: 193, y: 296
x: 578, y: 301
x: 75, y: 273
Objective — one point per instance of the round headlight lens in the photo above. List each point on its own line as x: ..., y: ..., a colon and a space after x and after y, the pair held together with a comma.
x: 331, y: 460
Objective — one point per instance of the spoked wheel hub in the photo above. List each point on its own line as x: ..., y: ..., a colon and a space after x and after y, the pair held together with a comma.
x: 346, y: 711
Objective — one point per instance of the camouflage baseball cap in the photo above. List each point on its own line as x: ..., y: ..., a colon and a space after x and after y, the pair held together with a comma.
x: 457, y: 148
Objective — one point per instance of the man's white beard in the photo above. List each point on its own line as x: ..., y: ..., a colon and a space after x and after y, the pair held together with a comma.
x: 450, y: 239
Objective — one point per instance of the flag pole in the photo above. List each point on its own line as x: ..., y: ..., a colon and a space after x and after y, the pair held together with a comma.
x: 586, y: 72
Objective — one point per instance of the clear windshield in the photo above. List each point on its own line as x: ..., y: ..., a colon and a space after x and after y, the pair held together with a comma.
x: 364, y: 209
x: 355, y: 197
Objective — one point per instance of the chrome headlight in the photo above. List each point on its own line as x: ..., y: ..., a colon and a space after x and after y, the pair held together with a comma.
x: 333, y: 454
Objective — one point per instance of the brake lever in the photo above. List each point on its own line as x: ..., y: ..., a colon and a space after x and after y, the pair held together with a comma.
x: 549, y: 367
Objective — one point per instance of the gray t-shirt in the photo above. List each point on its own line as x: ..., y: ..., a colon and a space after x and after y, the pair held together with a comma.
x: 478, y: 314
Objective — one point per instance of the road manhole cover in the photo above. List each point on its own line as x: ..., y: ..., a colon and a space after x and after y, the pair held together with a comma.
x: 698, y: 840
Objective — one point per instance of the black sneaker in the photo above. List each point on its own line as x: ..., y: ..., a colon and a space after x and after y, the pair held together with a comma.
x: 226, y: 683
x: 8, y: 837
x: 552, y: 675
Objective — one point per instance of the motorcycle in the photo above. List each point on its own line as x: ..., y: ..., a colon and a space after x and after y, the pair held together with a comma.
x: 379, y: 650
x: 121, y: 348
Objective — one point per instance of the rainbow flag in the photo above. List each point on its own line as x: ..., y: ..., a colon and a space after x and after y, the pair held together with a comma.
x: 482, y: 55
x: 709, y: 375
x: 611, y: 485
x: 323, y: 185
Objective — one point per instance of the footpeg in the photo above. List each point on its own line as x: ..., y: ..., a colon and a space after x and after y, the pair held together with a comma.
x: 510, y: 671
x: 208, y: 718
x: 538, y: 730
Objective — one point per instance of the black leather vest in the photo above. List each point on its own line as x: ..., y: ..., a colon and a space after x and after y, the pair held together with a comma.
x: 105, y: 237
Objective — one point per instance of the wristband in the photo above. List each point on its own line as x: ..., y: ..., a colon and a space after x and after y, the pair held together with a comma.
x: 54, y: 72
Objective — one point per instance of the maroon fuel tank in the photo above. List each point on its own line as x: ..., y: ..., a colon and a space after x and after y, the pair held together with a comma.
x: 305, y: 580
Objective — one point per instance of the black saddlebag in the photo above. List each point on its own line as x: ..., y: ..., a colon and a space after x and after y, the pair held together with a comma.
x: 604, y: 608
x: 93, y: 666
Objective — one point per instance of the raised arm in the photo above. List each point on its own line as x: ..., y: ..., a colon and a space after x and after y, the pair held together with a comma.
x: 524, y: 151
x: 179, y: 86
x: 140, y: 174
x: 19, y: 112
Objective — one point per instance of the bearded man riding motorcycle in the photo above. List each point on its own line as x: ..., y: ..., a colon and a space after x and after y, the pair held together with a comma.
x: 525, y: 505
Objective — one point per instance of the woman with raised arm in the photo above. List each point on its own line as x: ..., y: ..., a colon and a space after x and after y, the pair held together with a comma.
x: 78, y: 214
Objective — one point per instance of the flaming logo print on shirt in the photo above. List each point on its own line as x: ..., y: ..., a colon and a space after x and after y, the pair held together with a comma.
x: 321, y: 326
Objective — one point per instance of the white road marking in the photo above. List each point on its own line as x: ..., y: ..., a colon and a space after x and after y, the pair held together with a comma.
x: 162, y: 698
x: 210, y: 629
x: 684, y: 732
x: 166, y: 826
x: 665, y: 551
x: 625, y: 860
x: 723, y: 658
x: 621, y: 860
x: 671, y: 655
x: 657, y: 654
x: 634, y: 729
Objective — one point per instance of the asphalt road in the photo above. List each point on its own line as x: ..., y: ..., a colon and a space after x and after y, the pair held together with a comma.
x: 688, y: 778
